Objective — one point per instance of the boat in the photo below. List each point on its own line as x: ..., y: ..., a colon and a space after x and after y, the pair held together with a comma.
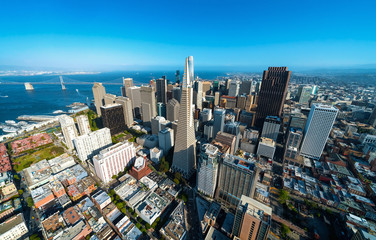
x: 58, y: 112
x: 5, y: 96
x: 29, y: 86
x: 10, y: 129
x: 10, y: 122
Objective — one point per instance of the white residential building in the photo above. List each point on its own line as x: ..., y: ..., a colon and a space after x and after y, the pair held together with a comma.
x: 90, y: 144
x: 69, y: 130
x: 83, y: 124
x: 207, y: 170
x: 166, y: 140
x: 114, y: 159
x: 156, y: 154
x: 13, y: 228
x: 316, y: 132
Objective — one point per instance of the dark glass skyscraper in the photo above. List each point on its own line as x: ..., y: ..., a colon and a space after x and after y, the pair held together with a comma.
x: 272, y: 93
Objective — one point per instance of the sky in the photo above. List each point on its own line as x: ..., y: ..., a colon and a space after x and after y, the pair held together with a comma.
x: 116, y: 35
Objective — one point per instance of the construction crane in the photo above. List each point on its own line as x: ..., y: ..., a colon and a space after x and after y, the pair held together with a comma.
x: 62, y: 83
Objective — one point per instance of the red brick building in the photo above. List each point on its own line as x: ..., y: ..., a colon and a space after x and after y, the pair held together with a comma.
x: 140, y: 168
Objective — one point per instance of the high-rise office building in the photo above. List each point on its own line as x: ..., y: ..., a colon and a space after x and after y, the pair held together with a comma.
x: 127, y: 109
x: 148, y: 105
x: 98, y: 92
x: 304, y: 94
x: 158, y: 123
x: 197, y: 94
x: 216, y: 98
x: 252, y: 219
x: 114, y: 159
x: 172, y: 110
x: 233, y: 90
x: 69, y: 130
x: 219, y: 121
x: 206, y: 87
x: 166, y: 140
x: 135, y: 96
x: 83, y: 124
x: 109, y: 98
x: 207, y: 169
x: 205, y: 115
x: 90, y: 144
x: 319, y: 124
x: 266, y: 148
x: 184, y: 160
x: 272, y: 93
x: 237, y: 177
x: 271, y: 127
x: 241, y: 102
x: 162, y: 90
x: 249, y: 102
x: 247, y: 118
x: 233, y: 128
x: 177, y: 77
x: 161, y: 109
x: 113, y: 118
x: 294, y: 139
x: 245, y: 87
x: 127, y: 83
x: 298, y: 120
x: 176, y: 93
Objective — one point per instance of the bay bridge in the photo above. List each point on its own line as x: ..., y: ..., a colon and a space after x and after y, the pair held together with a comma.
x: 65, y: 80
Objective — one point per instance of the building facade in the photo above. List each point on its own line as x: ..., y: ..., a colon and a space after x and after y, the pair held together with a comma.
x: 83, y: 124
x: 207, y: 169
x: 114, y: 159
x: 113, y: 118
x: 69, y: 130
x: 127, y: 109
x: 99, y: 92
x: 89, y: 144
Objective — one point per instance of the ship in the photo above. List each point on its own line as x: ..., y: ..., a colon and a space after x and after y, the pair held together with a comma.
x: 29, y: 87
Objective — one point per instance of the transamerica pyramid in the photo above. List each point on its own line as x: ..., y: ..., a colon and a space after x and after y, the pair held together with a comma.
x: 184, y: 160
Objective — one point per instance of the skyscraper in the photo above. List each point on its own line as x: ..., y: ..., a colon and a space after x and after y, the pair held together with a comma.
x: 184, y: 160
x: 148, y: 105
x: 83, y: 124
x: 233, y: 90
x: 113, y: 118
x: 161, y: 109
x: 69, y: 130
x: 252, y: 219
x: 162, y: 90
x: 272, y: 93
x: 177, y: 77
x: 135, y: 96
x: 219, y: 120
x: 319, y: 124
x: 245, y: 87
x: 90, y: 144
x: 197, y: 93
x: 127, y: 83
x: 166, y: 140
x: 127, y: 109
x: 271, y: 127
x: 304, y: 94
x: 238, y: 177
x: 207, y: 169
x: 172, y: 110
x: 98, y: 92
x: 176, y: 93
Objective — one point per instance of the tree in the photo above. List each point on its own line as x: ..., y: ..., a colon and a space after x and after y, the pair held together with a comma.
x: 16, y: 177
x: 119, y: 205
x: 176, y: 181
x: 114, y: 177
x: 164, y: 166
x: 20, y: 192
x: 285, y: 230
x: 147, y: 226
x: 35, y: 236
x: 30, y: 202
x: 138, y: 225
x: 177, y: 175
x: 283, y: 196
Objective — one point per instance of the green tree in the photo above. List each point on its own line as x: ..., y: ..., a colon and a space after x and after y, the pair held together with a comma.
x: 283, y: 196
x: 285, y: 230
x: 20, y: 192
x: 147, y: 226
x: 176, y: 181
x: 177, y: 175
x: 16, y: 177
x: 138, y: 225
x: 119, y: 205
x: 30, y: 201
x: 35, y: 236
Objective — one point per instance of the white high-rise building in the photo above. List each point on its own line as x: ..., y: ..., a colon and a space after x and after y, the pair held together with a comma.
x: 233, y: 90
x: 99, y: 92
x: 184, y: 160
x: 135, y: 96
x: 114, y: 159
x: 207, y: 169
x: 319, y: 124
x: 69, y: 130
x: 166, y: 139
x: 158, y: 123
x: 83, y: 124
x: 90, y: 144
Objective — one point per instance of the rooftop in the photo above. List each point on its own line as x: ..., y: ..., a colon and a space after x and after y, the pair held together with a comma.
x: 10, y: 223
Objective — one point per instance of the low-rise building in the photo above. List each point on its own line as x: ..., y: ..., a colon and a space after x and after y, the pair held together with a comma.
x: 101, y: 199
x: 13, y: 228
x: 42, y: 196
x: 176, y: 227
x: 140, y: 168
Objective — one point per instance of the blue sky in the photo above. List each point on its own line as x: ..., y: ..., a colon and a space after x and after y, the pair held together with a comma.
x: 91, y: 35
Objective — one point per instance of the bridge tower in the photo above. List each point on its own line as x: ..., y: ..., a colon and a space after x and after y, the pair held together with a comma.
x: 62, y: 83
